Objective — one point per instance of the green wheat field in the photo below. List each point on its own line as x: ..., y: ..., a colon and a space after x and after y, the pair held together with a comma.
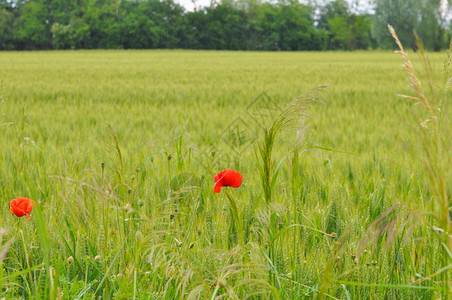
x: 119, y: 148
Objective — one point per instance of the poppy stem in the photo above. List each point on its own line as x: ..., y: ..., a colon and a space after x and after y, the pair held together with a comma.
x: 27, y: 257
x: 236, y: 218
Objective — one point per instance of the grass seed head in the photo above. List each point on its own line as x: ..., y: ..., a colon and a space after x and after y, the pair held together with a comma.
x: 127, y: 208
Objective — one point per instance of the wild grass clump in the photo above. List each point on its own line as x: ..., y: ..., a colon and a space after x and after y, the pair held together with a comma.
x: 431, y: 116
x: 292, y: 115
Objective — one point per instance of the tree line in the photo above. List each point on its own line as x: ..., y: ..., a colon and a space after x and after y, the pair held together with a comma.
x: 286, y: 25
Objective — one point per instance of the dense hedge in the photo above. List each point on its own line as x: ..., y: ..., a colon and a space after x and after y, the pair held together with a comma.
x: 230, y: 25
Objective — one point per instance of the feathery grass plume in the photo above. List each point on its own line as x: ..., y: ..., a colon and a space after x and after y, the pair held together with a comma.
x: 293, y: 112
x: 434, y: 136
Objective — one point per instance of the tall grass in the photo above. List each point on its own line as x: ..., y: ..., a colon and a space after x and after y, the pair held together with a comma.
x: 293, y: 113
x: 127, y: 211
x: 431, y: 116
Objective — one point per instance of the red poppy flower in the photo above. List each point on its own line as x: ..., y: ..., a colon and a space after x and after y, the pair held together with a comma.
x: 227, y: 177
x: 21, y: 207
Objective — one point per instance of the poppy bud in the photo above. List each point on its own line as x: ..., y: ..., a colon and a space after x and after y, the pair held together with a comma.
x: 97, y: 258
x: 170, y: 156
x: 355, y: 261
x: 374, y: 262
x: 140, y: 203
x: 137, y: 169
x: 102, y: 165
x: 70, y: 260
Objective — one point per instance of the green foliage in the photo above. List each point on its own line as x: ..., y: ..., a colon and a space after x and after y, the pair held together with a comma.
x: 296, y: 27
x: 263, y: 32
x: 228, y: 25
x: 62, y: 36
x: 349, y: 32
x: 424, y: 17
x: 6, y: 29
x: 345, y: 30
x: 332, y: 9
x: 33, y: 28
